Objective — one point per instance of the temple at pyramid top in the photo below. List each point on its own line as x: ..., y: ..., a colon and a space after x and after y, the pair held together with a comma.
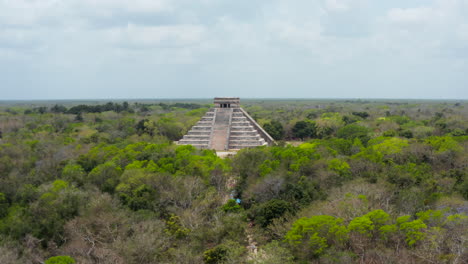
x: 226, y: 127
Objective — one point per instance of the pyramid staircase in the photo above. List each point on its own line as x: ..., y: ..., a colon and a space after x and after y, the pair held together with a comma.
x: 226, y: 127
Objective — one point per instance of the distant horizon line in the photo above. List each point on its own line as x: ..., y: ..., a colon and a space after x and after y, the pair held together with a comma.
x: 248, y: 98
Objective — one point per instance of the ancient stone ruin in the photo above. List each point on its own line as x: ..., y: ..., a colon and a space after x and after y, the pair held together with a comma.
x: 226, y: 127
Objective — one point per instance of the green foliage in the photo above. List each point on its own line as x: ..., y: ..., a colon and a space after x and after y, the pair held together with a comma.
x: 442, y: 144
x: 401, y: 120
x: 58, y: 204
x: 463, y: 188
x: 45, y: 217
x: 170, y: 128
x: 378, y: 217
x: 406, y: 134
x: 164, y: 202
x: 368, y: 223
x: 432, y: 217
x: 105, y: 176
x: 304, y: 129
x: 274, y: 129
x: 3, y: 205
x: 268, y: 166
x: 17, y: 223
x: 382, y: 149
x: 273, y: 253
x: 413, y: 231
x: 74, y: 173
x: 265, y: 213
x: 340, y: 167
x: 60, y: 260
x: 362, y: 225
x: 408, y: 175
x: 216, y: 255
x: 386, y: 231
x: 353, y: 131
x: 317, y: 233
x: 174, y: 228
x: 361, y: 114
x: 328, y: 124
x: 390, y: 146
x: 228, y: 252
x: 231, y: 206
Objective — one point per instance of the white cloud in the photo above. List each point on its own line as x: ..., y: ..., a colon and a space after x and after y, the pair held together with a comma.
x: 58, y: 12
x: 18, y: 38
x: 126, y: 5
x: 411, y: 15
x: 245, y: 38
x: 462, y: 33
x: 344, y: 5
x: 173, y: 36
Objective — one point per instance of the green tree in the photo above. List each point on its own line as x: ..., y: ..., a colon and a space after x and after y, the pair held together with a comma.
x: 266, y: 212
x: 363, y: 115
x: 74, y: 173
x: 216, y: 255
x: 274, y: 129
x: 3, y: 205
x: 445, y: 143
x: 353, y: 131
x: 105, y: 176
x: 304, y: 129
x: 341, y: 167
x: 412, y: 229
x: 370, y: 223
x: 315, y: 234
x: 231, y: 206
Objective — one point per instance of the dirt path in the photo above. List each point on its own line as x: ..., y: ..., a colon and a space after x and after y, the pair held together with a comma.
x: 252, y: 244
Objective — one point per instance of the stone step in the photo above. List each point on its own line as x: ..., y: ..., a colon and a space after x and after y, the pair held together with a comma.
x: 206, y: 119
x: 239, y: 119
x: 249, y: 139
x: 240, y: 123
x: 242, y: 128
x: 236, y: 148
x: 244, y: 133
x: 199, y: 127
x: 255, y: 137
x: 200, y: 132
x: 196, y: 137
x: 194, y: 142
x: 245, y: 143
x: 205, y: 123
x: 199, y: 146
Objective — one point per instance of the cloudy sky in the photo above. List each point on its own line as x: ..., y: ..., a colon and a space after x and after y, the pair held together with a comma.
x: 70, y: 49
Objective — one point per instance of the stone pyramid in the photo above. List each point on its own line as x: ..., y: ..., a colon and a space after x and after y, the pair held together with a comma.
x: 226, y: 127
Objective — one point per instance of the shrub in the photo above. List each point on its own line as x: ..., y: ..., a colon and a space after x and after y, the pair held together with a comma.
x: 316, y: 233
x: 60, y: 260
x: 353, y: 131
x: 231, y: 206
x: 266, y: 212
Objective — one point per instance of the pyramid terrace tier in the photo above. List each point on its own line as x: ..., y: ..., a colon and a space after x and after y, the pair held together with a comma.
x: 242, y: 128
x: 242, y: 133
x: 199, y: 133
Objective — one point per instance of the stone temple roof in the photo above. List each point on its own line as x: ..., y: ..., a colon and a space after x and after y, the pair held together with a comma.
x: 226, y: 127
